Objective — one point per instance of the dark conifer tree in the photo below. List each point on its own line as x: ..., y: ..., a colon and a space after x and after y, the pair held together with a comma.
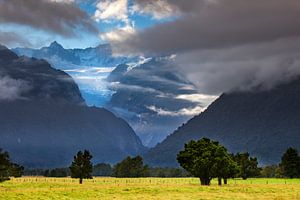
x: 248, y: 165
x: 82, y: 166
x: 290, y: 163
x: 4, y: 166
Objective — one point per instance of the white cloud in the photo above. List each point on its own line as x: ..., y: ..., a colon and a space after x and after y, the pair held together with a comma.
x: 92, y: 70
x: 115, y: 11
x: 182, y: 112
x: 12, y: 89
x: 198, y: 98
x: 119, y: 34
x: 112, y: 10
x: 202, y: 100
x: 119, y: 86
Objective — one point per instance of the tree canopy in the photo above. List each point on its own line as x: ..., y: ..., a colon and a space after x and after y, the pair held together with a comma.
x: 82, y: 166
x: 207, y: 159
x: 248, y: 165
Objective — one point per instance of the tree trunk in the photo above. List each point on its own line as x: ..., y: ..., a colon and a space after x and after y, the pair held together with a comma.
x: 225, y: 181
x: 80, y: 181
x: 208, y: 181
x: 205, y: 181
x: 202, y: 181
x: 219, y: 181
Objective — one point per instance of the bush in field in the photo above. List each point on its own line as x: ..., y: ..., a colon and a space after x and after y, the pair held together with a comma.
x: 130, y: 168
x: 7, y: 168
x: 269, y: 171
x: 207, y: 159
x: 102, y: 169
x: 248, y: 165
x: 290, y: 163
x: 16, y: 170
x: 82, y: 166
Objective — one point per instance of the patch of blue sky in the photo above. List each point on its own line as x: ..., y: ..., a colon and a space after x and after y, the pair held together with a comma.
x: 89, y: 6
x: 146, y: 21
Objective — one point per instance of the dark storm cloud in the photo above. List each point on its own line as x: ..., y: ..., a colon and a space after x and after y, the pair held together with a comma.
x: 11, y: 38
x: 217, y: 23
x: 242, y: 67
x: 224, y: 45
x: 58, y: 17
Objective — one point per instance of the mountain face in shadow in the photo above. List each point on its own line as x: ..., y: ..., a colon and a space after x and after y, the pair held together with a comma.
x: 264, y: 123
x: 37, y: 79
x: 44, y: 120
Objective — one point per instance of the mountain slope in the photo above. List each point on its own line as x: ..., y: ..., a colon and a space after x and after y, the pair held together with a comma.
x: 264, y: 123
x: 44, y: 120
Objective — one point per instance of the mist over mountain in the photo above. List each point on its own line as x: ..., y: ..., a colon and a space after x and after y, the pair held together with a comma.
x: 153, y: 98
x: 262, y: 122
x: 45, y: 121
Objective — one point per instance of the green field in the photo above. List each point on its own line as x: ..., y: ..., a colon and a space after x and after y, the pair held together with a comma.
x: 147, y: 188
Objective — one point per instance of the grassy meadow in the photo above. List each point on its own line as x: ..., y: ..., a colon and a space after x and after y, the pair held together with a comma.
x: 147, y: 188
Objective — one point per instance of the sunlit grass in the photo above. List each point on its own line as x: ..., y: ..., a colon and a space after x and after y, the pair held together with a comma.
x: 147, y: 188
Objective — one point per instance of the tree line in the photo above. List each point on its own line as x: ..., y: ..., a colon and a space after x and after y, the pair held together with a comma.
x: 208, y: 159
x: 107, y: 170
x: 205, y: 159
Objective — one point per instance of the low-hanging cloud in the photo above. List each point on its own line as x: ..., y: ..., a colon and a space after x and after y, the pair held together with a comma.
x: 12, y: 38
x: 243, y: 67
x: 12, y: 89
x: 224, y: 45
x: 192, y: 111
x: 58, y: 16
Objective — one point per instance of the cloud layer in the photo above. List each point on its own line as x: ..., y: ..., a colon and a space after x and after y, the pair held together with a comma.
x: 11, y: 38
x: 224, y: 45
x: 216, y: 24
x: 158, y: 9
x: 58, y: 16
